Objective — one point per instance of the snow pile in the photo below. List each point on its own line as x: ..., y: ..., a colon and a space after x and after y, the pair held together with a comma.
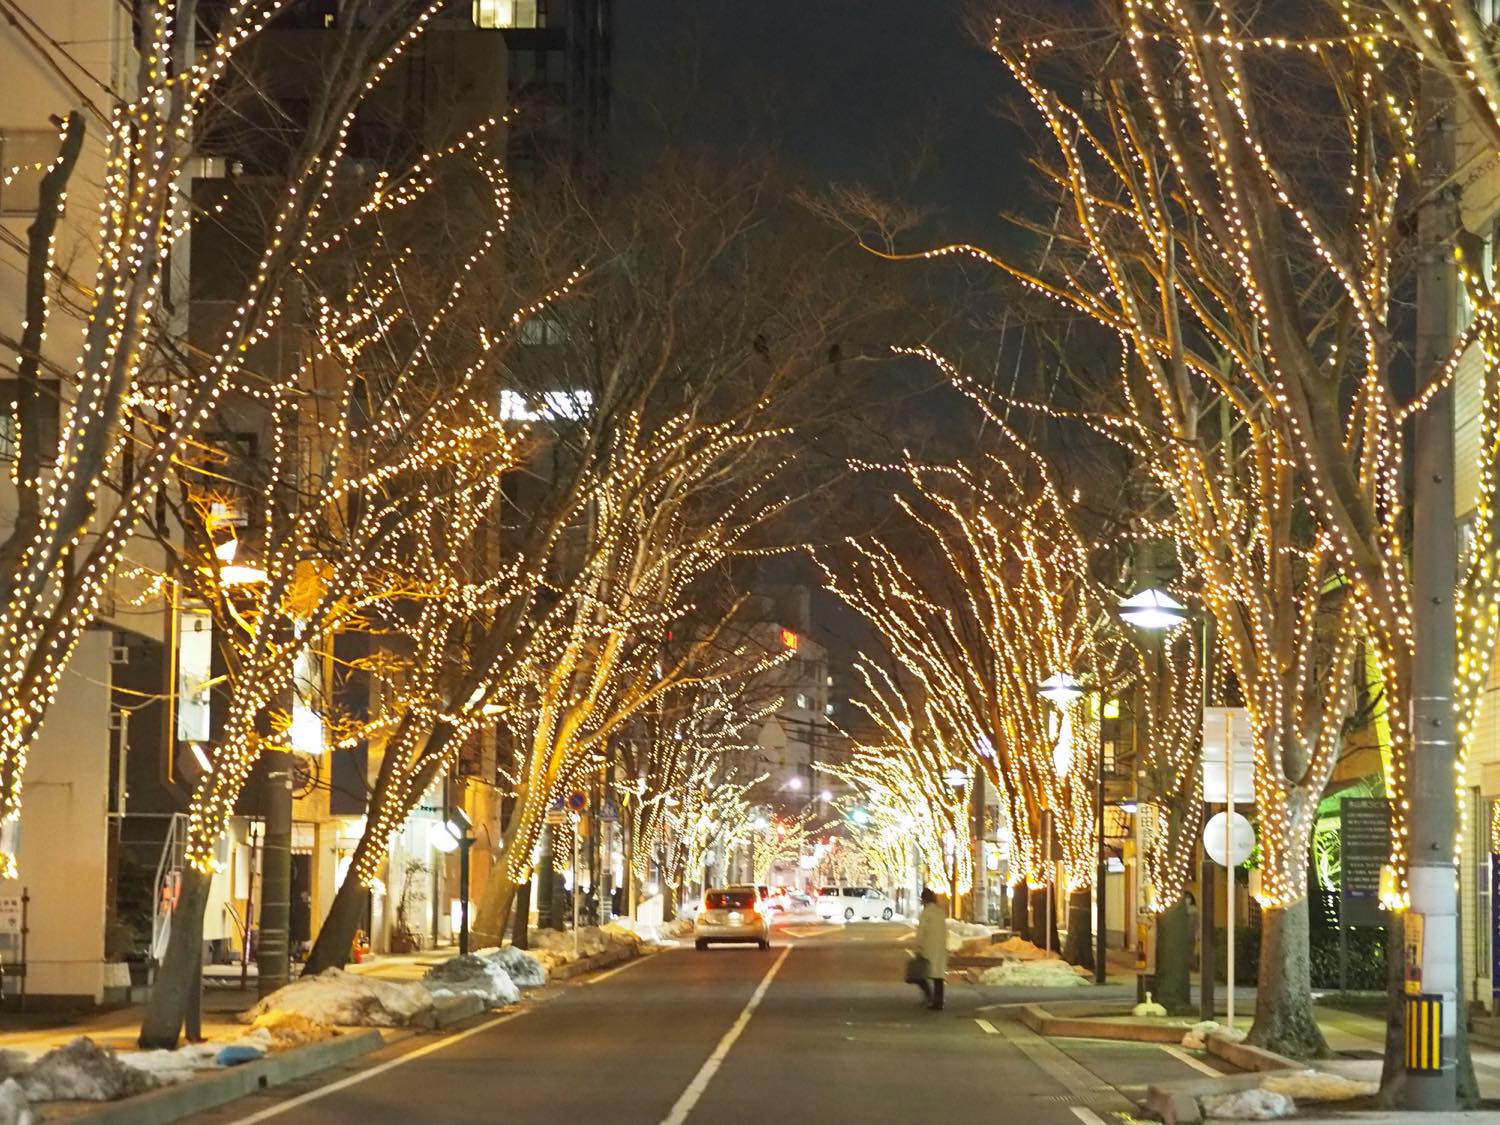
x: 82, y: 1071
x: 522, y: 968
x: 961, y: 932
x: 1197, y: 1035
x: 1048, y: 973
x: 1319, y: 1086
x: 167, y: 1068
x: 655, y: 933
x: 14, y: 1108
x: 468, y: 974
x: 1248, y: 1105
x: 288, y: 1029
x: 348, y: 999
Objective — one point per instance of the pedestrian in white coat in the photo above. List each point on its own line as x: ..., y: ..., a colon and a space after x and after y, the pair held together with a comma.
x: 932, y: 945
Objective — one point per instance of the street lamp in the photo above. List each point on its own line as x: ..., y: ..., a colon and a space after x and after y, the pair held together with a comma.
x: 459, y: 825
x: 1155, y: 610
x: 1063, y: 690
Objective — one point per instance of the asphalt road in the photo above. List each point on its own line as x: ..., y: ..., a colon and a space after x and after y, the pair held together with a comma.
x: 819, y: 1029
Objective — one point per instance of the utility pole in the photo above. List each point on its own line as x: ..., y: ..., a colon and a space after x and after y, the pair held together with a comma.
x: 273, y: 958
x: 1432, y: 919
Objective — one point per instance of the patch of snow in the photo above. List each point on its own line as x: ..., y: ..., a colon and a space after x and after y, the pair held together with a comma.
x: 280, y: 1029
x: 169, y: 1067
x: 83, y: 1071
x: 653, y: 932
x: 524, y: 969
x: 960, y: 932
x: 1319, y: 1086
x: 1197, y: 1035
x: 1148, y: 1007
x: 14, y: 1108
x: 1248, y: 1105
x: 469, y: 974
x: 348, y: 1000
x: 1050, y: 973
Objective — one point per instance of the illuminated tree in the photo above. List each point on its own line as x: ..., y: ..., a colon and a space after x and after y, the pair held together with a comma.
x: 995, y: 598
x: 129, y: 395
x: 1249, y: 289
x: 381, y: 475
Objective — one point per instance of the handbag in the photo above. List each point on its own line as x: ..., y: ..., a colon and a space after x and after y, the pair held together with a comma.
x: 918, y: 969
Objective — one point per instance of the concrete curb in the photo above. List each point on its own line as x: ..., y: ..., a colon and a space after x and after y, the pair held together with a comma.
x: 1249, y: 1058
x: 215, y: 1088
x: 1044, y: 1022
x: 596, y: 961
x: 173, y: 1103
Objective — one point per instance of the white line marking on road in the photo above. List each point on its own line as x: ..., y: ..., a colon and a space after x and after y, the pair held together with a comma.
x: 1086, y: 1115
x: 390, y: 1064
x: 1197, y: 1064
x: 617, y: 969
x: 989, y: 1028
x: 710, y: 1067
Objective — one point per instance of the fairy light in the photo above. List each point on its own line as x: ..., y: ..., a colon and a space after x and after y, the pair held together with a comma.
x: 68, y: 561
x: 1172, y: 174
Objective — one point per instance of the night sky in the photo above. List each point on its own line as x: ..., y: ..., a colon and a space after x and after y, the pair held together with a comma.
x: 894, y: 94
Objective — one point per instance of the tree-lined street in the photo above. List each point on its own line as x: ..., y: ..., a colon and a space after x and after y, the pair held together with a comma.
x: 834, y: 1037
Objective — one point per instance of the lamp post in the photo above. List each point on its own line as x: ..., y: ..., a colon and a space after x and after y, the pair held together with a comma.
x: 460, y: 826
x: 1157, y: 611
x: 1063, y: 690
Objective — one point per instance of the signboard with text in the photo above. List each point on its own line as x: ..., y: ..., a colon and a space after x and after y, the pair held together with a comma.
x: 1364, y: 845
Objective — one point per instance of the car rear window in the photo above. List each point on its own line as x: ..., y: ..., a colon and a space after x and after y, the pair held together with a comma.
x: 730, y: 900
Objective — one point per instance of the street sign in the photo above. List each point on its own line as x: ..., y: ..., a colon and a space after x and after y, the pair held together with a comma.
x: 557, y: 816
x: 1242, y: 842
x: 577, y: 801
x: 1364, y: 845
x: 1220, y: 726
x: 10, y: 914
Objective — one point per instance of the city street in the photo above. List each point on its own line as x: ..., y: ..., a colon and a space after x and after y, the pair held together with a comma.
x: 819, y: 1029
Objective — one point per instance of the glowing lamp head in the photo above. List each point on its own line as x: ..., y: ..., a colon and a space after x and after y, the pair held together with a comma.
x: 1153, y: 609
x: 1061, y: 688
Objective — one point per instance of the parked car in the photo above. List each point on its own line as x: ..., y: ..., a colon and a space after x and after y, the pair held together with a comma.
x: 732, y: 914
x: 854, y: 903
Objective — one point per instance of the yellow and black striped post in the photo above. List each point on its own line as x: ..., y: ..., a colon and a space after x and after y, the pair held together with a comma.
x: 1424, y: 1033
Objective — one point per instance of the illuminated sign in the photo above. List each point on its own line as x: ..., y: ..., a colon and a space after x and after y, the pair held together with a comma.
x: 790, y: 640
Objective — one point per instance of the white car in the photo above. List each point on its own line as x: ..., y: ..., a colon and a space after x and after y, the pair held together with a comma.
x: 732, y: 914
x: 854, y: 904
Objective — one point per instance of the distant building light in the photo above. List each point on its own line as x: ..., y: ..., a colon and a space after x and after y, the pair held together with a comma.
x: 549, y: 406
x: 828, y: 708
x: 802, y: 701
x: 505, y: 13
x: 790, y: 640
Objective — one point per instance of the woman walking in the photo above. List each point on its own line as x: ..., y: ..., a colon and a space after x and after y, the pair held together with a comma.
x: 932, y: 947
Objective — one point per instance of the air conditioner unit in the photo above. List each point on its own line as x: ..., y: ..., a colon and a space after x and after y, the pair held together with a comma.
x: 119, y: 654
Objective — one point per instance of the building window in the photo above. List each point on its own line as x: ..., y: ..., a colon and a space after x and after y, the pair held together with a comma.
x: 505, y: 13
x: 802, y: 701
x: 24, y: 157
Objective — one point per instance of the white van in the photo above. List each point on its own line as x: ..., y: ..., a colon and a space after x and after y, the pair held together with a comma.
x: 854, y: 904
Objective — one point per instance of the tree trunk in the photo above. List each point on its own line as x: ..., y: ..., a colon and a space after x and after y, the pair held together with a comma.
x: 496, y: 905
x: 520, y: 926
x: 1079, y: 949
x: 1042, y: 921
x: 1020, y: 914
x: 335, y: 938
x: 178, y: 976
x: 1172, y: 986
x: 1284, y: 1020
x: 669, y: 902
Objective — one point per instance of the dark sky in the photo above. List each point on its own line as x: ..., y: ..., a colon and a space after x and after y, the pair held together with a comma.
x: 893, y: 94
